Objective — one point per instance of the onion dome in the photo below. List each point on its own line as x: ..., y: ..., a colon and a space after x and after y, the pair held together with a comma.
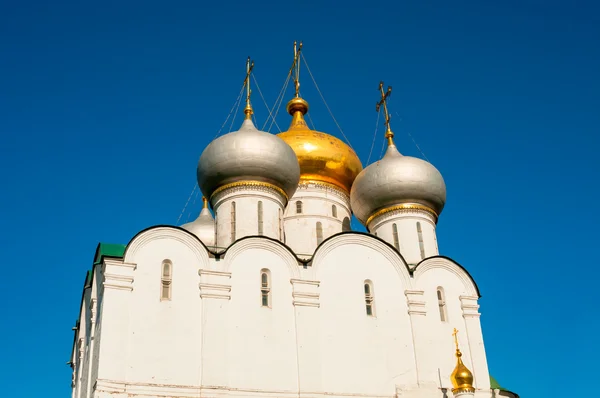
x: 394, y: 182
x: 203, y: 226
x: 461, y: 378
x: 248, y: 156
x: 322, y: 157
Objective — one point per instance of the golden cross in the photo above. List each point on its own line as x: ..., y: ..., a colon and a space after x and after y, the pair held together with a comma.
x: 455, y: 334
x: 249, y: 66
x: 384, y: 98
x: 296, y: 67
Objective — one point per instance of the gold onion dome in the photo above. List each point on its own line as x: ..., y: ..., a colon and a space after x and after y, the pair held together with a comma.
x: 461, y: 378
x: 323, y: 158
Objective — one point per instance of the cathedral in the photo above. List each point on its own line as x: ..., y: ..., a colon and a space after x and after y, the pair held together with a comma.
x: 270, y: 293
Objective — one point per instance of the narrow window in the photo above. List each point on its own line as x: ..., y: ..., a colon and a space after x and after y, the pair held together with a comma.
x: 421, y: 245
x: 280, y: 225
x: 165, y: 280
x: 265, y: 288
x: 442, y: 304
x: 346, y: 224
x: 369, y: 301
x: 232, y: 222
x: 298, y: 207
x: 260, y: 217
x: 319, y: 233
x: 334, y: 211
x: 396, y: 240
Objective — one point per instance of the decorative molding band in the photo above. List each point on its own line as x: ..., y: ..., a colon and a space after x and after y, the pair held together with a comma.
x: 214, y: 286
x: 306, y: 304
x: 416, y: 306
x: 469, y: 306
x: 249, y: 185
x: 215, y: 296
x: 404, y: 208
x: 118, y: 282
x: 305, y: 282
x: 216, y: 273
x: 329, y: 187
x: 306, y: 295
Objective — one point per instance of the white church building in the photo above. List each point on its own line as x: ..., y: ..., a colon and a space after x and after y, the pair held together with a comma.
x: 269, y: 293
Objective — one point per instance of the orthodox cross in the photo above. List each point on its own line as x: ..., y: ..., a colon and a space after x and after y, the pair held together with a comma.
x: 249, y: 66
x: 385, y: 95
x: 455, y: 334
x: 296, y: 67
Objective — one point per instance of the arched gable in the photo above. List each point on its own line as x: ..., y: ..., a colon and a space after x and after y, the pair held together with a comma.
x: 364, y: 240
x: 260, y: 242
x: 152, y: 234
x: 441, y: 262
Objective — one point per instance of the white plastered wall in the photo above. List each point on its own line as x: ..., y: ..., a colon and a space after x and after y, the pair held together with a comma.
x: 408, y: 236
x: 317, y: 206
x: 215, y: 339
x: 246, y: 213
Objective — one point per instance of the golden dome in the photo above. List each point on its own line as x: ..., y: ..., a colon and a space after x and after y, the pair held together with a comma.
x: 322, y: 157
x: 462, y: 378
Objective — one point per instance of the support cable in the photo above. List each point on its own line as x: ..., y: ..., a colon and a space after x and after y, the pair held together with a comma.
x: 281, y: 93
x: 186, y: 203
x: 374, y: 136
x: 236, y: 111
x: 415, y: 142
x: 280, y: 102
x: 265, y: 102
x: 193, y: 203
x: 325, y: 102
x: 230, y: 112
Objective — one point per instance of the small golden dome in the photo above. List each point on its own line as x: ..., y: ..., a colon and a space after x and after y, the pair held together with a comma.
x: 322, y: 157
x: 462, y: 378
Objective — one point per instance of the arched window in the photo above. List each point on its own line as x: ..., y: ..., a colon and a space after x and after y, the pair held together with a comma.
x: 334, y: 211
x: 421, y: 245
x: 265, y: 288
x: 346, y: 224
x: 232, y: 222
x: 298, y: 207
x: 395, y: 233
x: 319, y: 232
x: 442, y: 304
x: 260, y: 217
x: 369, y: 299
x: 165, y: 280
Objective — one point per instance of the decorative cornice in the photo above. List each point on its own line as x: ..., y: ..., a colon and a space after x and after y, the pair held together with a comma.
x: 306, y: 184
x: 404, y: 207
x: 416, y: 306
x: 254, y: 185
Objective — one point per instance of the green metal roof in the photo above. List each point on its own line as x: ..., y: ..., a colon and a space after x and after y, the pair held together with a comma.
x: 108, y: 250
x: 494, y: 384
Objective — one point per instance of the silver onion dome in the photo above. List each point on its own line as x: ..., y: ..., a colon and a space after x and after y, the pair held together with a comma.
x: 203, y: 226
x: 396, y: 180
x: 248, y: 155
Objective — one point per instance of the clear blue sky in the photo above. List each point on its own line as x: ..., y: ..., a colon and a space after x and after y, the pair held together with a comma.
x: 106, y: 107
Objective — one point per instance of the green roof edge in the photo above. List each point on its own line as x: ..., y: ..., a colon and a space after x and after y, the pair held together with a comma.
x: 108, y: 250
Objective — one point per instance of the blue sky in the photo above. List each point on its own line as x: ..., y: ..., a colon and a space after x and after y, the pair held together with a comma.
x: 105, y: 108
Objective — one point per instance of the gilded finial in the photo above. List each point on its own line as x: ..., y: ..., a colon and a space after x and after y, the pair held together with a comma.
x: 204, y: 202
x: 297, y: 107
x: 462, y: 378
x: 248, y: 109
x: 384, y: 98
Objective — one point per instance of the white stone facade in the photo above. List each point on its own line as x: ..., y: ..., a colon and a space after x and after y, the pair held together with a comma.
x: 410, y: 231
x: 316, y: 212
x: 215, y: 337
